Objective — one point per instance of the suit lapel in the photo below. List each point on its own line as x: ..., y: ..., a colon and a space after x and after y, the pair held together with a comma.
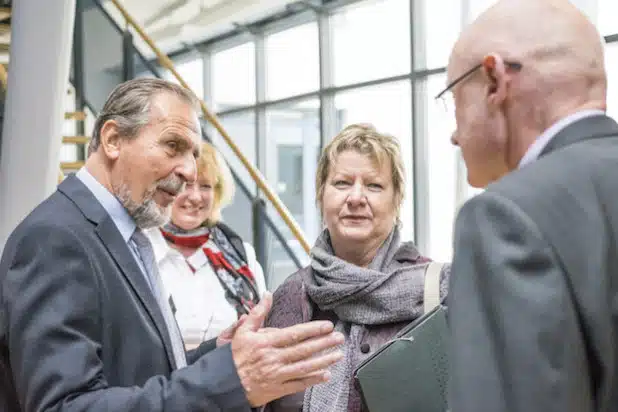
x: 588, y: 128
x: 113, y: 241
x: 107, y: 231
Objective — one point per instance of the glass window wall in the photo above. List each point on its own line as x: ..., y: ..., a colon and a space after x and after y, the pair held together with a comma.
x: 368, y: 67
x: 233, y: 77
x: 371, y: 39
x: 292, y: 62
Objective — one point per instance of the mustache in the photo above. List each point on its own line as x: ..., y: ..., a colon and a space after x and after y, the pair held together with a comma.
x: 171, y: 184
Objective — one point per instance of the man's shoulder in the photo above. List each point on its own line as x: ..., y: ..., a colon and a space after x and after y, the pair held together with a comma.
x: 56, y: 214
x: 577, y: 171
x: 568, y: 194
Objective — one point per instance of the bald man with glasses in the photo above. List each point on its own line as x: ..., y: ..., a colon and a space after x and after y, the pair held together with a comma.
x: 533, y: 304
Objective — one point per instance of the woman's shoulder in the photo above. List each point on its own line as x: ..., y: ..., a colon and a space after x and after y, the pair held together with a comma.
x: 290, y: 302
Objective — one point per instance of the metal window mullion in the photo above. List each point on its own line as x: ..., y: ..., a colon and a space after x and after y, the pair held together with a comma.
x: 207, y: 78
x: 79, y: 73
x: 461, y: 180
x: 260, y: 149
x: 260, y: 112
x: 420, y: 164
x: 328, y: 111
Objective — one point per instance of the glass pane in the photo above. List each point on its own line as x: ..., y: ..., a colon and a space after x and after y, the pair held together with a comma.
x: 238, y: 215
x: 233, y: 77
x: 241, y: 128
x: 143, y: 69
x: 611, y: 66
x: 293, y: 144
x: 371, y: 40
x: 280, y: 265
x: 292, y: 51
x: 103, y: 57
x: 607, y: 20
x: 192, y: 72
x: 389, y: 108
x: 438, y: 38
x: 442, y: 172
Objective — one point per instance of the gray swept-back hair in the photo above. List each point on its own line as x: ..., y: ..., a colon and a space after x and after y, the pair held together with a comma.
x: 129, y: 105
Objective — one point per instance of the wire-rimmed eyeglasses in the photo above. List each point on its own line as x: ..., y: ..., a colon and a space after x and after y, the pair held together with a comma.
x: 509, y: 64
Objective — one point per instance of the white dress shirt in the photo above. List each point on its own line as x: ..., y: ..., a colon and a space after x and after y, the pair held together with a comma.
x: 202, y: 310
x: 535, y: 149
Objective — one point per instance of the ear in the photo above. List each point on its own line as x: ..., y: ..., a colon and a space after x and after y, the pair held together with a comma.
x: 110, y: 139
x: 495, y: 70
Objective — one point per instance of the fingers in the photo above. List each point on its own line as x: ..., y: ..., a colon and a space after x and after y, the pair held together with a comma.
x: 262, y: 396
x: 299, y: 385
x: 230, y: 329
x: 309, y: 367
x: 255, y: 318
x: 237, y: 324
x: 310, y: 347
x: 298, y: 333
x: 267, y: 330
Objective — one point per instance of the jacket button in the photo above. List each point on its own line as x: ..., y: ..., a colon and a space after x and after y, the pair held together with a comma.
x: 365, y: 348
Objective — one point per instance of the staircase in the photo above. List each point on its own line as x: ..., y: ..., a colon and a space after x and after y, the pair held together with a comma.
x: 276, y: 235
x: 75, y: 140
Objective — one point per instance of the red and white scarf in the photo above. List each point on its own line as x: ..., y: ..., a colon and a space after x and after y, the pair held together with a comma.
x: 217, y: 250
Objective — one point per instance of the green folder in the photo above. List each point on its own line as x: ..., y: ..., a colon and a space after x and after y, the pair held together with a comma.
x: 410, y: 372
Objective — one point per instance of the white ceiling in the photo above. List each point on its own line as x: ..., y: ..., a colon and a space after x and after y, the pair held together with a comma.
x: 174, y: 22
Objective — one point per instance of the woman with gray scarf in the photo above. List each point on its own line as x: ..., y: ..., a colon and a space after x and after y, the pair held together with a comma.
x: 361, y: 276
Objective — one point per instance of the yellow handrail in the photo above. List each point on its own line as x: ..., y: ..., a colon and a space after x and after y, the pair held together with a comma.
x: 257, y: 176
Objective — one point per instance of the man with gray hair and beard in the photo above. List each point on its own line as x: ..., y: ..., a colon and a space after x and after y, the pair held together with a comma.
x: 533, y: 303
x: 85, y: 323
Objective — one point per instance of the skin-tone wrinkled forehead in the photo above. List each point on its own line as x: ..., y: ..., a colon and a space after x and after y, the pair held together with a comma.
x: 551, y: 36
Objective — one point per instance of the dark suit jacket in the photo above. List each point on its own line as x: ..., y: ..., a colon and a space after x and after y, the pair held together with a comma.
x: 80, y: 329
x: 534, y: 288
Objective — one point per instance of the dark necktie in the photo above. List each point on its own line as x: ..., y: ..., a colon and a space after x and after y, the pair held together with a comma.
x: 146, y: 253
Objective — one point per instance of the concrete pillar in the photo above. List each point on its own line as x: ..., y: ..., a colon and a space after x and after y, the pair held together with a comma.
x: 41, y: 41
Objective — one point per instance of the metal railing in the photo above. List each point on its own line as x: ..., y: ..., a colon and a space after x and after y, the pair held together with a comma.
x: 255, y: 174
x: 263, y: 223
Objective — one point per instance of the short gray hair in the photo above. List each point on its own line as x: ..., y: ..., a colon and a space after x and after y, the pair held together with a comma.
x: 129, y: 106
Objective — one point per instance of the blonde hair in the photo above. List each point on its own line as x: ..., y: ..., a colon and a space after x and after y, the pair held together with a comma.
x: 365, y: 139
x: 212, y: 167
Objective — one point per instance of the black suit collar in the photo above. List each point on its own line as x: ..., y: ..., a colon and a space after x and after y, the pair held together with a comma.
x: 588, y: 128
x: 83, y: 198
x: 109, y: 234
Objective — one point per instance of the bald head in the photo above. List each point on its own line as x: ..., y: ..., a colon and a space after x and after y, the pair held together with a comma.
x: 552, y: 38
x: 503, y: 107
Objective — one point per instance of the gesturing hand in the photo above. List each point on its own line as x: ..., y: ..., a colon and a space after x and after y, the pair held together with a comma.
x: 228, y: 334
x: 274, y: 362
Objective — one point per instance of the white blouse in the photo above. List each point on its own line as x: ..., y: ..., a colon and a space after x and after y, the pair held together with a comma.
x: 202, y: 310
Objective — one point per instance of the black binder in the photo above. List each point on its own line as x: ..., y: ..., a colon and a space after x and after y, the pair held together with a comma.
x: 410, y: 372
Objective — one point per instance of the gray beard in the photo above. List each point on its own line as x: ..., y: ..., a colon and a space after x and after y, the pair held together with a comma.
x: 146, y: 214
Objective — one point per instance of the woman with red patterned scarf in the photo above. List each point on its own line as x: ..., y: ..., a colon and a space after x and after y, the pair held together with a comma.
x: 211, y: 274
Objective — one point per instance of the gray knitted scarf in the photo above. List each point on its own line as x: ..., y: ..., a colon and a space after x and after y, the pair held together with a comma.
x: 389, y: 290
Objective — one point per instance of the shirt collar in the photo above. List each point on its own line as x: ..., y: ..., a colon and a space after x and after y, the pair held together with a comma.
x: 159, y: 245
x: 535, y: 149
x: 121, y: 218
